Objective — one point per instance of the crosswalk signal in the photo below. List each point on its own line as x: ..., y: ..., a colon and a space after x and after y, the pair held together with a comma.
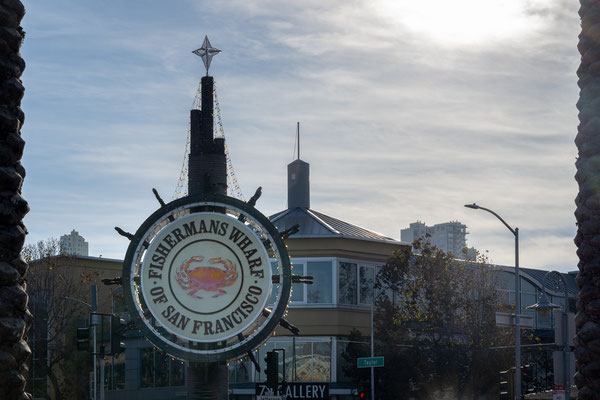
x: 272, y: 370
x: 82, y: 339
x: 117, y: 332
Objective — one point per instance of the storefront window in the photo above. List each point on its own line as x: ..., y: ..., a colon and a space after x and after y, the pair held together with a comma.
x: 347, y: 283
x: 114, y: 372
x: 320, y: 290
x: 158, y: 369
x: 321, y: 361
x: 305, y: 360
x: 177, y: 373
x: 161, y: 369
x: 147, y: 370
x: 240, y: 371
x: 288, y: 347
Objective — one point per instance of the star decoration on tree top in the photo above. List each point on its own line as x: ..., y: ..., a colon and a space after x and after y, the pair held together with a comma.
x: 206, y: 52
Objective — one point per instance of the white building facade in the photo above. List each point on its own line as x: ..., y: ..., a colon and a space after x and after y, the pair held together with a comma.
x: 74, y: 244
x: 451, y: 237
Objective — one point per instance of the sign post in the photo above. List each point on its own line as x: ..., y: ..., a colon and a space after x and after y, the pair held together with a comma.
x: 197, y: 274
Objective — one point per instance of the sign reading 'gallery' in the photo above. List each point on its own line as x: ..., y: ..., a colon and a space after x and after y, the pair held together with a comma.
x: 205, y: 277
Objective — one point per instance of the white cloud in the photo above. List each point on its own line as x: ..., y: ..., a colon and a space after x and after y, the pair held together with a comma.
x: 396, y: 127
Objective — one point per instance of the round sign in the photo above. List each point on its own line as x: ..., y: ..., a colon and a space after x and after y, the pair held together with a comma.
x: 198, y: 278
x: 206, y: 277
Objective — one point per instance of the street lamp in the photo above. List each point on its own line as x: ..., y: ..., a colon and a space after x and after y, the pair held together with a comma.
x: 543, y: 307
x: 515, y: 232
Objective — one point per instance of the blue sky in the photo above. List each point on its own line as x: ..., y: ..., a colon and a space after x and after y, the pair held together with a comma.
x: 407, y: 112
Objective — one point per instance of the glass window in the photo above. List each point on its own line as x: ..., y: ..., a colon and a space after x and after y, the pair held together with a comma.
x: 303, y: 361
x: 321, y: 361
x: 147, y: 370
x: 158, y: 369
x: 526, y: 286
x: 240, y: 370
x: 504, y: 296
x: 297, y: 288
x: 347, y: 283
x: 161, y: 369
x: 177, y: 373
x: 507, y: 280
x: 289, y: 360
x: 321, y: 289
x: 527, y: 299
x: 366, y: 285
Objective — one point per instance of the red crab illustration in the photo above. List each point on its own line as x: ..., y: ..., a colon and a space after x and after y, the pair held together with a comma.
x: 209, y: 279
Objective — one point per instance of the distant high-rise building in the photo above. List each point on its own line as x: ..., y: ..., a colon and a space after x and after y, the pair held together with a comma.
x: 450, y: 237
x: 74, y: 244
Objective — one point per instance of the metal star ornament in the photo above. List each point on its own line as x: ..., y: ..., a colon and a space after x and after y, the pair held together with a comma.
x: 206, y: 52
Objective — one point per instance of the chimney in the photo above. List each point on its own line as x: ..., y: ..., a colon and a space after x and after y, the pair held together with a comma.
x: 207, y: 164
x: 298, y: 184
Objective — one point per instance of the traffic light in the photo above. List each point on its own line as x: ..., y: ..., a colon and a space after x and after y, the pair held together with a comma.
x: 117, y: 332
x: 527, y: 379
x: 505, y: 385
x: 82, y: 339
x: 272, y: 370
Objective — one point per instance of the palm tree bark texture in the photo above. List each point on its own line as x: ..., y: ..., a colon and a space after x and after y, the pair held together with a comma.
x: 15, y: 318
x: 587, y: 213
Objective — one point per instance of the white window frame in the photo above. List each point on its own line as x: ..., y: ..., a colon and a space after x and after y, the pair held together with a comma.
x: 359, y: 263
x: 304, y: 303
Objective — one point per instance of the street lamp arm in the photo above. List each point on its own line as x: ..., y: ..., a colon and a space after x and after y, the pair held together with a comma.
x: 513, y: 231
x: 74, y: 299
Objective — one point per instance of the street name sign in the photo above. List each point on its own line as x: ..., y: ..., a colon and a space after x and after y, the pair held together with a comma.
x: 368, y: 362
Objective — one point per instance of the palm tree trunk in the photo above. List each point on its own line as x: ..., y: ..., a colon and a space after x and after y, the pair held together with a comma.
x: 587, y: 213
x: 15, y: 318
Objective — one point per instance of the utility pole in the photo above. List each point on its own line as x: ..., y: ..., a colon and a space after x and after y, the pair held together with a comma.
x: 94, y: 324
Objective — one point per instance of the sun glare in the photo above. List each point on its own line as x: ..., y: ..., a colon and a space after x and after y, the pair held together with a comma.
x: 462, y: 22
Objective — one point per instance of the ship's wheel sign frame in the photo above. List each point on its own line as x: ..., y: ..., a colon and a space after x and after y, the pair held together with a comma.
x: 197, y: 278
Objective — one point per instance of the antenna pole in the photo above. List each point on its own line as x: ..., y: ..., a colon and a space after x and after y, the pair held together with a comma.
x: 298, y: 136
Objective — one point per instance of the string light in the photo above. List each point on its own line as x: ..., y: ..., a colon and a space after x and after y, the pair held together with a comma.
x: 233, y: 188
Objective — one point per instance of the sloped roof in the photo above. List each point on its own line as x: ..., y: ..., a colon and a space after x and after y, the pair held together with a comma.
x: 314, y: 224
x: 538, y: 275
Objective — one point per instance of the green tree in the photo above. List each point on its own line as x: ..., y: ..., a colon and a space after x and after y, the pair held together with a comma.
x: 587, y: 201
x: 356, y: 346
x: 435, y: 320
